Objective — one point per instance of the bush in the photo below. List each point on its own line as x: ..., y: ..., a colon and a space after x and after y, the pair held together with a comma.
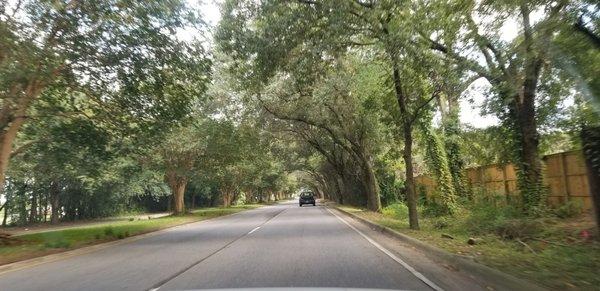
x: 486, y: 216
x: 518, y: 228
x: 396, y: 210
x: 570, y: 209
x: 109, y: 231
x: 241, y: 200
x: 433, y: 209
x: 441, y: 223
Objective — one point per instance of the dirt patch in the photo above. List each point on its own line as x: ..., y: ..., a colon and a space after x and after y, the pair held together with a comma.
x: 6, y: 239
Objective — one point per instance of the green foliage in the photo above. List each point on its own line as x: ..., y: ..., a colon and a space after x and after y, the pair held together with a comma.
x: 453, y: 143
x: 492, y: 215
x: 569, y: 209
x: 433, y: 208
x: 441, y: 222
x: 97, y: 233
x: 294, y: 94
x: 444, y: 198
x: 560, y: 258
x: 517, y: 228
x: 396, y: 210
x: 109, y: 231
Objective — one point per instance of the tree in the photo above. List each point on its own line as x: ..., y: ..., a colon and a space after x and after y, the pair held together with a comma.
x: 180, y: 155
x: 513, y: 68
x: 328, y: 115
x: 314, y: 31
x: 108, y: 53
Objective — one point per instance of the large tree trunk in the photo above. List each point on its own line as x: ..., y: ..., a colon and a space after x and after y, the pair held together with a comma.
x: 227, y: 197
x: 34, y: 205
x: 411, y: 197
x: 523, y: 117
x: 371, y: 185
x: 529, y: 165
x: 177, y: 184
x: 249, y: 196
x: 178, y: 190
x: 54, y: 201
x: 590, y: 137
x: 7, y: 138
x: 12, y: 117
x: 338, y: 189
x: 45, y: 211
x: 5, y: 218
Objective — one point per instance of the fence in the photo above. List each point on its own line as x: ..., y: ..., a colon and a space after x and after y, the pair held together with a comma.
x: 565, y: 176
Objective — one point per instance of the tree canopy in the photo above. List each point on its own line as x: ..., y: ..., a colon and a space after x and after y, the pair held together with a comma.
x: 105, y: 107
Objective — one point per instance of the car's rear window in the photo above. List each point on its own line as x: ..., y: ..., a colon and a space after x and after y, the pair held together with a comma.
x: 307, y: 195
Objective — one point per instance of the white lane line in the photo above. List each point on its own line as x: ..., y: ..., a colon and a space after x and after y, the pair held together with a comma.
x: 177, y: 274
x: 391, y: 255
x: 255, y: 229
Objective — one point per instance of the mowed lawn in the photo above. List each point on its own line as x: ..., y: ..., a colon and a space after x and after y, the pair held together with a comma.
x: 38, y: 244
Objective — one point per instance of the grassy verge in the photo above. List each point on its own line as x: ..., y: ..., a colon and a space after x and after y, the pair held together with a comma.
x: 556, y: 256
x: 44, y: 243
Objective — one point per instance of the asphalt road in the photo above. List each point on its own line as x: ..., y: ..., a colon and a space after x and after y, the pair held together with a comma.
x: 275, y: 246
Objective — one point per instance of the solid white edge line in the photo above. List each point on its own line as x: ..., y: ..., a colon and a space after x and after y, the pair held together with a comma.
x: 391, y: 255
x: 255, y: 229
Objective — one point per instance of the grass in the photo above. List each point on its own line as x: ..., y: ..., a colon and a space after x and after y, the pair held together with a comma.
x: 556, y: 255
x: 44, y: 243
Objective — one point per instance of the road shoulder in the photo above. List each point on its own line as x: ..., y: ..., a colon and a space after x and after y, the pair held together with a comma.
x: 449, y: 271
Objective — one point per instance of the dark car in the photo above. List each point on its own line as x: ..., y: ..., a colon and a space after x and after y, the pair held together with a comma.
x: 307, y: 198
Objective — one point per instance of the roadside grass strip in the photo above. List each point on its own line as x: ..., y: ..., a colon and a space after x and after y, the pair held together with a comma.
x: 50, y: 242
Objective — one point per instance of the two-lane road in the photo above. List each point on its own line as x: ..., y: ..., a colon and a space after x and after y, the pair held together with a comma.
x: 275, y: 246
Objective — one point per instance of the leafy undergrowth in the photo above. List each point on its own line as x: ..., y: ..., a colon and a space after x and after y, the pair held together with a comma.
x: 44, y: 243
x: 553, y: 252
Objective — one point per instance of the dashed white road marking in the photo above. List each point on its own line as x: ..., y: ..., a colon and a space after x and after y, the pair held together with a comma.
x: 391, y: 255
x: 255, y: 229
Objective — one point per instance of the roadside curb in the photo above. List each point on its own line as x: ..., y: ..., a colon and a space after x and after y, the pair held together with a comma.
x: 494, y: 278
x: 15, y: 266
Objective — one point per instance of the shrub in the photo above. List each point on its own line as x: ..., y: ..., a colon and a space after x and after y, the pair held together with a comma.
x: 518, y: 228
x: 241, y: 200
x: 570, y: 209
x: 486, y: 215
x: 433, y: 209
x: 441, y: 223
x: 396, y: 210
x: 109, y: 231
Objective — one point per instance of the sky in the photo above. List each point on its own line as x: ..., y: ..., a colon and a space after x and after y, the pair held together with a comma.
x: 470, y: 114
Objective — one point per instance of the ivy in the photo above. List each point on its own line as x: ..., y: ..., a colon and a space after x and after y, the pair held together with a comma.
x: 437, y: 162
x: 456, y: 163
